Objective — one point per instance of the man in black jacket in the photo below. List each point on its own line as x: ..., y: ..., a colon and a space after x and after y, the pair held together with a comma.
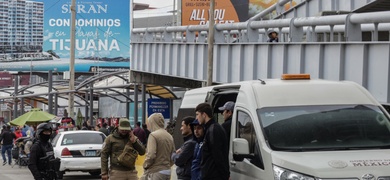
x: 215, y: 163
x: 8, y: 139
x: 227, y: 113
x: 184, y: 155
x: 42, y: 154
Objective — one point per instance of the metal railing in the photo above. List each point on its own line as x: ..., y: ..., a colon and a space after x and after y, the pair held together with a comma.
x: 348, y: 27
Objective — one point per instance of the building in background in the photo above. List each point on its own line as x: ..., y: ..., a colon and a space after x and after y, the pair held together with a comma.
x: 21, y: 29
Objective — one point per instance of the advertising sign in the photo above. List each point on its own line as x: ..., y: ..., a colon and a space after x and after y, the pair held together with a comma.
x: 102, y: 35
x: 196, y: 12
x: 102, y: 28
x: 159, y: 106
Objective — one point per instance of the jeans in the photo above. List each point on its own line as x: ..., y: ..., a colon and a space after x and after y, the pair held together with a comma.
x: 7, y: 148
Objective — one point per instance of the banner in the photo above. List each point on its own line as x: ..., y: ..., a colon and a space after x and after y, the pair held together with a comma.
x: 102, y: 28
x: 38, y: 35
x: 196, y: 12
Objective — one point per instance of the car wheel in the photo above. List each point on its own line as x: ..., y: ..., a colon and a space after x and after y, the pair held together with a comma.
x: 94, y: 173
x: 60, y: 174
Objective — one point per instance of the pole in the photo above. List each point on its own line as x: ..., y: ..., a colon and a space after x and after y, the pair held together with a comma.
x: 173, y: 13
x: 72, y: 56
x: 210, y: 43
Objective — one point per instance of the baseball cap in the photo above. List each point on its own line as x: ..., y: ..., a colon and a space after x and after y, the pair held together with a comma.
x: 195, y: 122
x: 227, y: 106
x: 124, y: 124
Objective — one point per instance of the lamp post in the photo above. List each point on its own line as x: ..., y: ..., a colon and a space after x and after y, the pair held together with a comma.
x: 72, y: 56
x: 210, y: 43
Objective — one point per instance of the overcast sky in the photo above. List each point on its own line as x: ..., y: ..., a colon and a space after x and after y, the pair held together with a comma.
x: 162, y: 7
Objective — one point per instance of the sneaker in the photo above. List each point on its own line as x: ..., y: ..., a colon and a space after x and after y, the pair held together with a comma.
x: 4, y: 163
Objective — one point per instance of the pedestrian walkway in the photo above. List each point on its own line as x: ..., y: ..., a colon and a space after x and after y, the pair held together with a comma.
x: 15, y: 173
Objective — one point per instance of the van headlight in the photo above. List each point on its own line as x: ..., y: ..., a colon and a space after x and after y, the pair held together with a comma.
x: 284, y: 174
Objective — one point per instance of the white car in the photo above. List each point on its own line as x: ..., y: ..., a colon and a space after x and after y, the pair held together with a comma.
x: 79, y: 151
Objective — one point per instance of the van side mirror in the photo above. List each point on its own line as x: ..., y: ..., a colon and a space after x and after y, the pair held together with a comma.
x: 241, y: 149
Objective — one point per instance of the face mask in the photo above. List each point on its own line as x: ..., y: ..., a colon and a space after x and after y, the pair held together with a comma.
x: 44, y: 137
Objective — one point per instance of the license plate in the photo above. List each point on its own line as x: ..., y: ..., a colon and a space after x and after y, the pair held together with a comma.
x: 90, y: 153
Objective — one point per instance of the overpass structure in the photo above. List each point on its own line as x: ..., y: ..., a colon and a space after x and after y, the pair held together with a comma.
x: 335, y: 40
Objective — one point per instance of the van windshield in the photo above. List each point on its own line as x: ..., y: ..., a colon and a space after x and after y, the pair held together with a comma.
x: 322, y: 128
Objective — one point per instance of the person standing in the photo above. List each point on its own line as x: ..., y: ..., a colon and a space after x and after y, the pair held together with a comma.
x: 157, y: 165
x: 8, y: 138
x: 140, y: 133
x: 104, y: 129
x: 198, y: 132
x: 114, y: 145
x: 272, y: 35
x: 18, y: 133
x: 147, y: 132
x: 227, y: 113
x: 184, y: 155
x: 41, y: 153
x: 215, y: 163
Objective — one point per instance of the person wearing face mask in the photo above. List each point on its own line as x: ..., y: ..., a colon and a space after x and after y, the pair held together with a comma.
x: 114, y: 145
x: 41, y: 154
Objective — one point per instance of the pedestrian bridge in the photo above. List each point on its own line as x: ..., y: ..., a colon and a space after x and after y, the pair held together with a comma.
x: 353, y: 47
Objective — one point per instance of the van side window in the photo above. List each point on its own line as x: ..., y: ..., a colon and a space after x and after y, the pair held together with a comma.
x: 246, y: 130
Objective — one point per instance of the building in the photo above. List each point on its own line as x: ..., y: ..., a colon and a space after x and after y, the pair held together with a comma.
x: 21, y: 29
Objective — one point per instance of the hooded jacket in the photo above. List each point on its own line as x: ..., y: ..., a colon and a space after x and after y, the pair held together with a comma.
x: 158, y: 160
x: 113, y: 146
x: 197, y: 157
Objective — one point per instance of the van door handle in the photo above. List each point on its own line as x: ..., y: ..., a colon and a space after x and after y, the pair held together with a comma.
x: 233, y: 163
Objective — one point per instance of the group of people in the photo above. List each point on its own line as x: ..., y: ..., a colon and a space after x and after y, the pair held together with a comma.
x: 203, y: 155
x: 123, y: 140
x: 39, y: 148
x: 8, y: 137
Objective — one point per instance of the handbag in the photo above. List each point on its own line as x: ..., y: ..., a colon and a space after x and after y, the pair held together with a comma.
x: 128, y: 156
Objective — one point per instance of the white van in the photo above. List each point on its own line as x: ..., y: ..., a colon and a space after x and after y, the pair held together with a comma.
x: 297, y: 128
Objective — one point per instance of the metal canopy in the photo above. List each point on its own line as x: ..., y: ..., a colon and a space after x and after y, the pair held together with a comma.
x: 143, y: 77
x: 113, y: 82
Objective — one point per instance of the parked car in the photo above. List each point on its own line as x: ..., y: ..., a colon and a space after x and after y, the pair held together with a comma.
x: 79, y: 151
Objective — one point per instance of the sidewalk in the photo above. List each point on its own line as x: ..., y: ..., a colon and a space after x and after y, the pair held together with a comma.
x: 15, y: 173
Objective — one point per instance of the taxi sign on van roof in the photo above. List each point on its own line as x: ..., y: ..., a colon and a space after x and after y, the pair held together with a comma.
x: 295, y: 76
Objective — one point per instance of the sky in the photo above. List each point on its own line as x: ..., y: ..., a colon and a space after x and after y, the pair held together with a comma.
x: 162, y: 8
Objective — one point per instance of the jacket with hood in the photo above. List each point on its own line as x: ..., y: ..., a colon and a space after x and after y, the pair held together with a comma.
x: 158, y: 159
x: 113, y: 146
x: 195, y: 165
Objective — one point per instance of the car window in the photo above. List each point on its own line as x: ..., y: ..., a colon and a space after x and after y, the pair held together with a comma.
x: 82, y: 138
x: 246, y: 130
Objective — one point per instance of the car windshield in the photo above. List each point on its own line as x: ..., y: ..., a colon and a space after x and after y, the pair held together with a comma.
x: 330, y: 127
x: 82, y: 138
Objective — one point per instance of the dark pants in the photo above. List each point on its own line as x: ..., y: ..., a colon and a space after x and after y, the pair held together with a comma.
x: 7, y: 148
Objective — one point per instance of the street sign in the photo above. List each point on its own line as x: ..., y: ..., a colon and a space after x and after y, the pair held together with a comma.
x: 159, y: 106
